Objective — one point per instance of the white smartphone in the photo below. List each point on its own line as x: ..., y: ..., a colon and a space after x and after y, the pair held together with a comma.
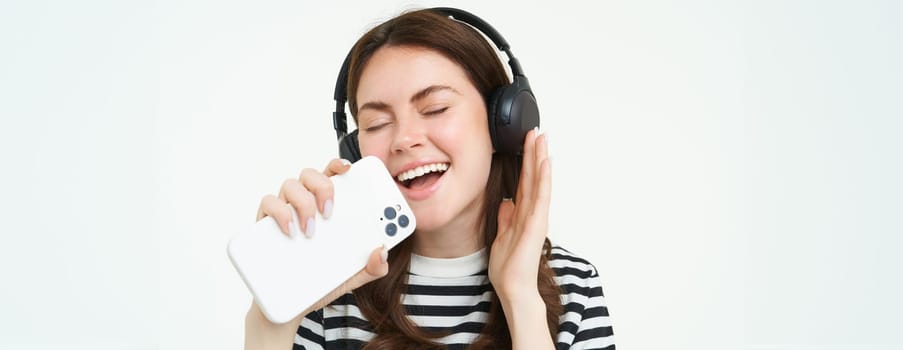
x: 288, y: 275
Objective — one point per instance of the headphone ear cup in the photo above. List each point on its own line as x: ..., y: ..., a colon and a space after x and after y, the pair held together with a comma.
x: 515, y: 114
x: 495, y: 119
x: 349, y: 148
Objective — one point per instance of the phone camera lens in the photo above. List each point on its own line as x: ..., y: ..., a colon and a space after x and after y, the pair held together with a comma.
x: 389, y: 212
x: 403, y: 221
x: 391, y: 229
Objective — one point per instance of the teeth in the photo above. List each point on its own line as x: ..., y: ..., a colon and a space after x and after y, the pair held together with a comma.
x: 423, y: 169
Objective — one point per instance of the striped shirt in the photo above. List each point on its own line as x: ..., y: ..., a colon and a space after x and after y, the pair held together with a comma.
x: 455, y: 294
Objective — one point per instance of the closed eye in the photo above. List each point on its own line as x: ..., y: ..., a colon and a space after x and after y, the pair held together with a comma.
x: 436, y: 111
x: 375, y: 127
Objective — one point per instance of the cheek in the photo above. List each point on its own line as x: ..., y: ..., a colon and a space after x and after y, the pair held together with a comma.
x: 471, y: 133
x: 469, y: 124
x: 448, y: 135
x: 374, y: 146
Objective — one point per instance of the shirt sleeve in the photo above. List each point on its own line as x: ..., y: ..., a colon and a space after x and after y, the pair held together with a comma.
x: 310, y: 335
x: 585, y: 323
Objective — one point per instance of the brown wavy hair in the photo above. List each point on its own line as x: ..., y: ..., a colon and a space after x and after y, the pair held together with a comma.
x: 380, y: 301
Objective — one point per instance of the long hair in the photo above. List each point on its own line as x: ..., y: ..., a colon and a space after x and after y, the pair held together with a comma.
x: 380, y: 301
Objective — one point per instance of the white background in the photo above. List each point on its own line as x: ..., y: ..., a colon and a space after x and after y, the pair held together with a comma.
x: 731, y: 167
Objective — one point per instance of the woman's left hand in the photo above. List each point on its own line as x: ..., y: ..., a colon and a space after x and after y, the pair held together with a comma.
x: 522, y: 229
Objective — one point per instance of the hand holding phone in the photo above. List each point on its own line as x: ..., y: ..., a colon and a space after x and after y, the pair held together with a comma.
x: 286, y: 275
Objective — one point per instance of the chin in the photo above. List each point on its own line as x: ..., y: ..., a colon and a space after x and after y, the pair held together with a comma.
x: 430, y: 219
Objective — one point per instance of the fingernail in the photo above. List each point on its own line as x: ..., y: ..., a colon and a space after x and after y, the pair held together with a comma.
x: 311, y: 228
x: 345, y: 161
x: 293, y: 230
x: 384, y: 255
x: 506, y: 199
x: 327, y: 209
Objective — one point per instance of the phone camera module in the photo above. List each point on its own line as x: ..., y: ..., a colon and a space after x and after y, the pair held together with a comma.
x: 389, y: 212
x: 403, y: 221
x: 391, y: 229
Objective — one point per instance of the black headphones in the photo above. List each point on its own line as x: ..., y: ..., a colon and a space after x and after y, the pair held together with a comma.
x: 512, y: 108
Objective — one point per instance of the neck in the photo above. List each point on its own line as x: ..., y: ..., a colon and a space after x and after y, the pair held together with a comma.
x: 460, y: 237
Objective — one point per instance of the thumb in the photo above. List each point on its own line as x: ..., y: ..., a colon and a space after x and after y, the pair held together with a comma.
x: 506, y: 210
x: 377, y: 264
x: 376, y: 268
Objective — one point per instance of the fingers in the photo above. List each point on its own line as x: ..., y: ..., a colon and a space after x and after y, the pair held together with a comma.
x: 337, y: 166
x: 531, y: 211
x: 321, y: 187
x: 312, y: 192
x: 276, y: 208
x: 506, y: 211
x: 542, y: 176
x: 537, y: 213
x: 536, y: 153
x: 524, y: 190
x: 303, y: 202
x: 543, y: 196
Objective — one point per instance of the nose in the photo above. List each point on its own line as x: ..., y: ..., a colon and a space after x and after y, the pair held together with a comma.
x: 410, y: 133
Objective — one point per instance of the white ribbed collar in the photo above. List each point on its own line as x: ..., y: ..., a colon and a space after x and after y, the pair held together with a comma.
x: 449, y: 268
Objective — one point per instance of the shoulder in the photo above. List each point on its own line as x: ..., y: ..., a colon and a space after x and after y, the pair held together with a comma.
x: 566, y: 263
x: 585, y: 323
x: 579, y: 280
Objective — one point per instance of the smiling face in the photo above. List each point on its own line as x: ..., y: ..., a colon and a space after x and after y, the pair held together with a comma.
x: 424, y: 118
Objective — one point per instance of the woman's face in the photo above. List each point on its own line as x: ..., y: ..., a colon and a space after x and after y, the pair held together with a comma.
x: 421, y: 115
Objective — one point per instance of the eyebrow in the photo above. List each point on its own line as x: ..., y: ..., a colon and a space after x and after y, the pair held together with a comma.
x: 431, y: 89
x: 382, y: 106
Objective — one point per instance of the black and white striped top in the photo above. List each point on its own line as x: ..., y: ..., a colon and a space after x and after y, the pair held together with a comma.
x: 454, y: 294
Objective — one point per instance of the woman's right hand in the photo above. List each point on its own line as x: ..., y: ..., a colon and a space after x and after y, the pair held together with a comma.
x: 294, y: 210
x: 300, y: 199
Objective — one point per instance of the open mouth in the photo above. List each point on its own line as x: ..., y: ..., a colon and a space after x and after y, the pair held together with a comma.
x: 422, y: 176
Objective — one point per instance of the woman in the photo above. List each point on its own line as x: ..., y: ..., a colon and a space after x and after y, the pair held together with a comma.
x: 479, y: 271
